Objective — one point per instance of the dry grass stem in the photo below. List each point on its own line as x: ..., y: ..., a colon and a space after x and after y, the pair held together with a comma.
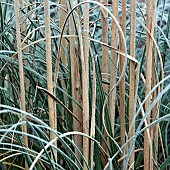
x: 85, y: 83
x: 122, y: 85
x: 132, y: 92
x: 51, y: 104
x: 21, y: 71
x: 76, y: 85
x: 113, y: 65
x: 150, y: 24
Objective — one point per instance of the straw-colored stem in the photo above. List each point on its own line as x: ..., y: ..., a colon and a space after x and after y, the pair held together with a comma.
x: 52, y: 114
x: 150, y: 24
x: 93, y: 122
x: 63, y: 47
x: 132, y: 78
x: 27, y: 81
x: 122, y: 86
x: 155, y: 110
x: 105, y: 65
x: 113, y: 64
x: 84, y: 92
x: 23, y: 30
x: 85, y: 83
x: 21, y: 71
x: 61, y: 22
x: 104, y: 17
x: 76, y: 85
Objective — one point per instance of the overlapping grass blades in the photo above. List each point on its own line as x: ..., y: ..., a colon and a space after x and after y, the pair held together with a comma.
x: 89, y: 83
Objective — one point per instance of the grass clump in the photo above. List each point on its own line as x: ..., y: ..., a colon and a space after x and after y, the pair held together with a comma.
x: 84, y: 84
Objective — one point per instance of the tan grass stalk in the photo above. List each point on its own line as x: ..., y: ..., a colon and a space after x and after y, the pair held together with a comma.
x: 78, y: 96
x: 104, y: 17
x: 155, y: 110
x: 150, y: 24
x: 21, y: 71
x: 105, y: 65
x: 61, y: 22
x: 23, y: 30
x: 93, y: 122
x: 132, y: 78
x: 63, y: 55
x: 113, y: 64
x: 122, y: 85
x: 76, y: 85
x: 85, y: 83
x: 84, y: 95
x: 52, y: 113
x: 21, y: 2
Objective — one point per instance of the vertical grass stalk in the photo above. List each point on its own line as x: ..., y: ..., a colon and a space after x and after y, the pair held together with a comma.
x: 104, y: 17
x: 93, y: 121
x: 150, y: 24
x: 85, y: 83
x: 132, y: 78
x: 155, y: 110
x: 105, y: 64
x: 122, y: 85
x: 63, y: 54
x: 84, y: 93
x: 23, y: 31
x: 75, y: 84
x: 21, y: 71
x: 52, y: 114
x: 61, y: 22
x: 113, y: 64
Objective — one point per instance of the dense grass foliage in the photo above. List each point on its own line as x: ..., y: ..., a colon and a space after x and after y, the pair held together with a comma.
x: 95, y: 88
